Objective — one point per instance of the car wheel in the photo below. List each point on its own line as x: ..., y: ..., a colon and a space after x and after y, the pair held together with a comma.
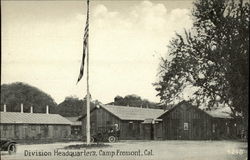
x: 111, y: 139
x: 12, y: 148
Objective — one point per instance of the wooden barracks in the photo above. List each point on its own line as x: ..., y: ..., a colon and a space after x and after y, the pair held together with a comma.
x: 133, y: 122
x: 33, y: 126
x: 182, y: 122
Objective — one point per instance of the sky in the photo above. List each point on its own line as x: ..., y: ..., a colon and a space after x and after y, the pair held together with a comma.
x: 42, y: 45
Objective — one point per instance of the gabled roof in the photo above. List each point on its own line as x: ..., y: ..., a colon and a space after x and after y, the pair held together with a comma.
x: 218, y: 113
x: 74, y: 121
x: 171, y: 108
x: 31, y: 118
x: 133, y: 113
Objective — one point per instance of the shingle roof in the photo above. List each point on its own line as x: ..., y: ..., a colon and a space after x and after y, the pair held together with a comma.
x: 220, y: 113
x: 133, y: 113
x: 32, y: 118
x: 74, y: 121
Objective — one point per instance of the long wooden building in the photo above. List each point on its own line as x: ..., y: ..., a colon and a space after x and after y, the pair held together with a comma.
x: 33, y: 126
x: 182, y: 122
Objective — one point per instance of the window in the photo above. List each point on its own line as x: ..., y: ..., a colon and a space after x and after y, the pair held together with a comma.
x: 185, y: 126
x: 130, y: 125
x: 214, y: 127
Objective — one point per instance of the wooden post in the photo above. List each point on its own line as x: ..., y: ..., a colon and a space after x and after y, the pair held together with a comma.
x: 31, y: 109
x: 4, y: 108
x: 21, y: 108
x: 47, y: 109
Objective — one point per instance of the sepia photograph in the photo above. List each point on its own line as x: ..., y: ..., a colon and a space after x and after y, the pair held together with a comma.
x: 124, y: 79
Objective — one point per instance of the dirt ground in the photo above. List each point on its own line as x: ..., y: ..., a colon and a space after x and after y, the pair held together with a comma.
x: 129, y: 150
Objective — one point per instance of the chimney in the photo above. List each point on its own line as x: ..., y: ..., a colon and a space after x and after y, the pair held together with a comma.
x: 47, y: 109
x: 21, y: 108
x: 31, y: 109
x: 4, y: 108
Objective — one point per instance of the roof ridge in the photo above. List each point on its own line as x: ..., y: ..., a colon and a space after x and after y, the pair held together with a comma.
x: 130, y: 107
x: 31, y: 113
x: 132, y: 113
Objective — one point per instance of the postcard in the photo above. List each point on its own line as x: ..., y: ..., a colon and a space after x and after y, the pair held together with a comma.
x: 124, y: 79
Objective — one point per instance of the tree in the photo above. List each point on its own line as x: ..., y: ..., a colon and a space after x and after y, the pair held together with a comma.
x: 16, y: 93
x: 133, y: 101
x: 212, y: 57
x: 74, y: 107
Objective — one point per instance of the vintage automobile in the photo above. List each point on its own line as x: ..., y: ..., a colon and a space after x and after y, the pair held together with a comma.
x: 8, y: 145
x: 106, y: 134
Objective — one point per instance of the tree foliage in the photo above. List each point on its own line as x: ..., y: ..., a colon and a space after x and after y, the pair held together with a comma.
x: 212, y: 57
x: 133, y: 101
x: 73, y: 106
x: 16, y: 93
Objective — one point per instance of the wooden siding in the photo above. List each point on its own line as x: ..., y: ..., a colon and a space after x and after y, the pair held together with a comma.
x: 225, y: 129
x: 186, y: 122
x: 158, y: 131
x: 34, y: 131
x: 100, y: 118
x: 129, y: 129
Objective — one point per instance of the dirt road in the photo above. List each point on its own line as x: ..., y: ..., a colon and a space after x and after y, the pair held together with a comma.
x: 129, y: 150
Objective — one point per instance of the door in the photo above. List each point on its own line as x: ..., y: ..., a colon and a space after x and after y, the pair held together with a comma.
x: 196, y: 129
x: 147, y: 129
x: 44, y: 131
x: 16, y: 131
x: 176, y: 132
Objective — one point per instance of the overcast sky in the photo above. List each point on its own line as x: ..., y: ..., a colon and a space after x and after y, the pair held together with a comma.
x: 42, y: 45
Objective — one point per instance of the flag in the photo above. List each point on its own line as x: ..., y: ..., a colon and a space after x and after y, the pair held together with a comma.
x: 85, y: 42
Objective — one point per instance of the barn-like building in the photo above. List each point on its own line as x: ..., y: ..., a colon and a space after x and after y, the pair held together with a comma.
x: 133, y: 122
x: 187, y: 122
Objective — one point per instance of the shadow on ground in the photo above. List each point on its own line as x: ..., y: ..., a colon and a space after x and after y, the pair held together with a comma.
x: 93, y: 145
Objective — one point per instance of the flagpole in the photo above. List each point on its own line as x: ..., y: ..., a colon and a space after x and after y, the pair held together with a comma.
x: 88, y: 95
x: 88, y: 102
